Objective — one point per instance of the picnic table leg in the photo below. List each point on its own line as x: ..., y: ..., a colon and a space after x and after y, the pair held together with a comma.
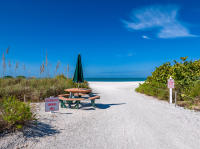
x: 69, y: 103
x: 93, y: 102
x: 70, y: 94
x: 62, y: 104
x: 77, y: 104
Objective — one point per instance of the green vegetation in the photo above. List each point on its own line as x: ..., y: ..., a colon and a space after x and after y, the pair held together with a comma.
x: 34, y: 89
x: 14, y: 114
x: 187, y: 82
x: 20, y: 77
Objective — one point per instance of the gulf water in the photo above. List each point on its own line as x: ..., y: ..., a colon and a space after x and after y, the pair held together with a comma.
x: 114, y: 79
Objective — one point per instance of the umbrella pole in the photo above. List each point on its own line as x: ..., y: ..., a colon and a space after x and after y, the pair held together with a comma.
x: 78, y: 88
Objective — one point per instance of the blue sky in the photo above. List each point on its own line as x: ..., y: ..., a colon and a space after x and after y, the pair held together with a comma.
x: 115, y: 38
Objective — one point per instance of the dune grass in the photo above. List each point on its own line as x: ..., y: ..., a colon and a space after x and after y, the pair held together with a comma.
x: 35, y: 89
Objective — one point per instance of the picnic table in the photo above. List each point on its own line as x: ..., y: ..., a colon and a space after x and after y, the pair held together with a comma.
x: 72, y: 99
x: 78, y: 90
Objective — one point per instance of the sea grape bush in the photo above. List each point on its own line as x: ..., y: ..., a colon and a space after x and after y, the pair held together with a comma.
x: 187, y: 80
x: 14, y: 113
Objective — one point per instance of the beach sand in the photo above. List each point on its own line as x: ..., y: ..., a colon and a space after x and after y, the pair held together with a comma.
x: 123, y: 119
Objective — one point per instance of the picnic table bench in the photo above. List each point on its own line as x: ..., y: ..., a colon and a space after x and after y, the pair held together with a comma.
x: 92, y: 99
x: 69, y: 101
x: 63, y: 95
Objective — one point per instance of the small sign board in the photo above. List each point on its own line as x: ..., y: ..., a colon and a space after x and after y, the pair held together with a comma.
x: 51, y: 104
x: 170, y: 83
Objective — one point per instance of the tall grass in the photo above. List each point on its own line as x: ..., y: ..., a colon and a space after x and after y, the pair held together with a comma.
x: 35, y: 89
x: 3, y: 64
x: 14, y: 113
x: 57, y: 67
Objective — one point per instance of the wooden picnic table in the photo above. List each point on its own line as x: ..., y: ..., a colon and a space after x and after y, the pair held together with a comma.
x: 70, y: 99
x: 76, y: 101
x: 78, y: 90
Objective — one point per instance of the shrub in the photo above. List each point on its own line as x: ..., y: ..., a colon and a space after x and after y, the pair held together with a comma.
x: 20, y: 77
x: 81, y: 85
x: 7, y: 77
x: 186, y: 75
x: 61, y: 77
x: 14, y: 113
x: 195, y: 91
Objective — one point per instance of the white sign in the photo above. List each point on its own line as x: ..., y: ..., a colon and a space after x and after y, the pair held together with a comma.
x: 51, y: 104
x: 170, y: 83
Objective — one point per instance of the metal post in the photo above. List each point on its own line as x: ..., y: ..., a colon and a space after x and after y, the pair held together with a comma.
x: 170, y: 95
x: 170, y: 92
x: 175, y: 98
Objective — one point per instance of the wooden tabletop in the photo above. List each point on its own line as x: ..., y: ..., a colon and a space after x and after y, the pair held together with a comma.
x: 78, y: 90
x: 71, y: 99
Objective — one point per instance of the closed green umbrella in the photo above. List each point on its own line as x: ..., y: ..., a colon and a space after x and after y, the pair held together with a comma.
x: 78, y: 74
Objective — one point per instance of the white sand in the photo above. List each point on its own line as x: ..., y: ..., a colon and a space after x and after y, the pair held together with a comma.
x: 123, y: 119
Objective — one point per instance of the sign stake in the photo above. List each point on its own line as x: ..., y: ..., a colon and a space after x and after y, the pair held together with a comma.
x: 175, y: 98
x: 170, y: 86
x: 170, y: 95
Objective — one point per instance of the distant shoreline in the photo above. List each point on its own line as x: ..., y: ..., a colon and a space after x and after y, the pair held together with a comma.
x: 114, y: 79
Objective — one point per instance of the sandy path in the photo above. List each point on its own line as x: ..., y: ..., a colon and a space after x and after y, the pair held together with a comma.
x: 123, y: 119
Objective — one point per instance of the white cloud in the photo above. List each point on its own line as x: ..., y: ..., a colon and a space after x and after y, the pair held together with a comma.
x: 145, y: 37
x: 125, y: 55
x: 164, y: 18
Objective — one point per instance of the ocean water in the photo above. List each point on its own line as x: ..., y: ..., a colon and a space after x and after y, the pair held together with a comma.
x: 114, y: 79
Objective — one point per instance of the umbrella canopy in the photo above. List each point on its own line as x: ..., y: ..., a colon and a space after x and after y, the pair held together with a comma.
x: 78, y: 74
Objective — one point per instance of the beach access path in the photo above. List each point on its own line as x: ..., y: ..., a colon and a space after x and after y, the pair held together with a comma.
x: 123, y: 119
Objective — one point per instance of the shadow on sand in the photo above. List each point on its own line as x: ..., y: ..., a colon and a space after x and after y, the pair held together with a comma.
x: 106, y: 106
x: 39, y: 129
x: 63, y: 113
x: 99, y: 106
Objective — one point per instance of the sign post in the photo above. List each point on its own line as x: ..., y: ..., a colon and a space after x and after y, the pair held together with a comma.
x: 51, y: 104
x: 170, y: 86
